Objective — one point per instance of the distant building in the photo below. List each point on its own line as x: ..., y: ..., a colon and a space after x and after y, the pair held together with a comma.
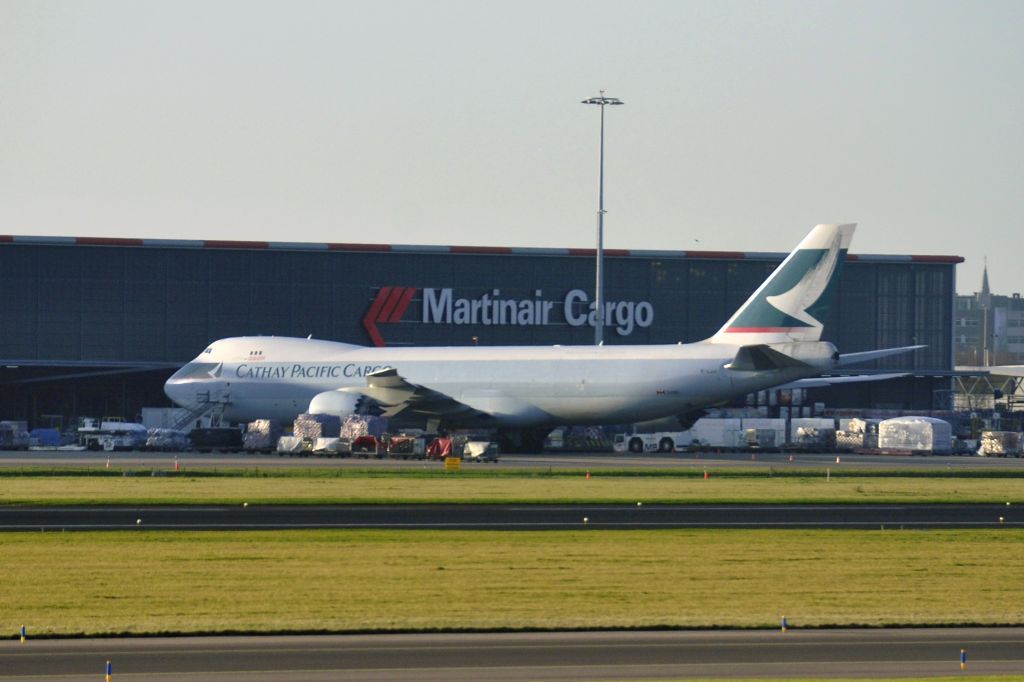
x: 989, y: 329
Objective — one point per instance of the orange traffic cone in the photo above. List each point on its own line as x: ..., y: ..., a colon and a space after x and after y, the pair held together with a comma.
x: 588, y: 475
x: 706, y: 474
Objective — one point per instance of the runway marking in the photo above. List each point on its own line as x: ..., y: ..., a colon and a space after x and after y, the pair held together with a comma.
x: 540, y: 525
x: 95, y: 644
x: 539, y: 506
x: 583, y: 667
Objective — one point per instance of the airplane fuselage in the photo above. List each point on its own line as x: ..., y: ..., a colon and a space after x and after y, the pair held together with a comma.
x: 276, y: 378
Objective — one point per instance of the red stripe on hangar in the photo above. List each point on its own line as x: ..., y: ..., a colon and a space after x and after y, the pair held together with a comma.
x: 359, y: 247
x: 107, y: 241
x: 937, y: 259
x: 717, y: 255
x: 611, y: 253
x: 483, y: 250
x: 227, y: 244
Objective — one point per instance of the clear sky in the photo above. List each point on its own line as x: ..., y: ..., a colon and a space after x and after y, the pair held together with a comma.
x: 745, y: 123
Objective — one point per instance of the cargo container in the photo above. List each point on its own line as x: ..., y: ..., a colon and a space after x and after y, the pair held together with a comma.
x: 261, y: 435
x: 812, y: 433
x: 917, y: 435
x: 1000, y: 444
x: 167, y: 440
x: 14, y: 435
x: 332, y: 447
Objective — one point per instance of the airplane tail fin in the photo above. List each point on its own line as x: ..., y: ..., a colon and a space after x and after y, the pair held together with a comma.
x: 792, y: 304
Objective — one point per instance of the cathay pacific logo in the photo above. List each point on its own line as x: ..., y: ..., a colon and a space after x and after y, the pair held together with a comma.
x: 442, y: 306
x: 797, y: 296
x: 808, y: 290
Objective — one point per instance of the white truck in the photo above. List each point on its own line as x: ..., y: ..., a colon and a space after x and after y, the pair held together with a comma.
x: 731, y: 433
x: 111, y: 435
x: 660, y: 441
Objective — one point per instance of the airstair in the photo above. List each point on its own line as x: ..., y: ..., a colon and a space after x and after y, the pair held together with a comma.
x: 201, y: 408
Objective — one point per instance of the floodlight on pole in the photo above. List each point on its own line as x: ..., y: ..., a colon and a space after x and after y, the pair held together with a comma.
x: 601, y: 101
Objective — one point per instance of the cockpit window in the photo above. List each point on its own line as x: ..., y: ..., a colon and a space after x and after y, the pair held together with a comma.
x: 199, y: 370
x: 208, y: 350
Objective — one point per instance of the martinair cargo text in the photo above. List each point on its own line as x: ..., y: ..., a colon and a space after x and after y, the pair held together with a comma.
x: 774, y: 339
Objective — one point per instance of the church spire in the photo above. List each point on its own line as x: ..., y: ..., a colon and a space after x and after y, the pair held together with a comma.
x: 985, y: 297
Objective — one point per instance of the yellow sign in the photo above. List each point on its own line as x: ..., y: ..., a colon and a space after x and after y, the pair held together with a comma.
x: 453, y: 464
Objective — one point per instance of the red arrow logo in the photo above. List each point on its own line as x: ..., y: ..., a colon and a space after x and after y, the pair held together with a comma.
x: 388, y: 306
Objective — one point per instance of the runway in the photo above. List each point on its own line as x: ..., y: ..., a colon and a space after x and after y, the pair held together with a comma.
x: 508, y: 517
x: 559, y: 460
x: 524, y: 656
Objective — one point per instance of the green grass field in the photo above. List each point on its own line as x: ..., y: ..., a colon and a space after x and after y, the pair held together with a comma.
x: 341, y: 580
x: 434, y: 486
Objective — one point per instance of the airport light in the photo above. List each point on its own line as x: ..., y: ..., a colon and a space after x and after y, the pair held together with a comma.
x: 601, y: 101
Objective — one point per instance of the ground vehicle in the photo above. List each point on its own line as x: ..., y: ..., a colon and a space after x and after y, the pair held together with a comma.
x: 661, y: 441
x: 109, y: 435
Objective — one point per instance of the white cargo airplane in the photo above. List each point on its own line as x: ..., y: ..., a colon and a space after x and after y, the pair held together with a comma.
x: 774, y: 339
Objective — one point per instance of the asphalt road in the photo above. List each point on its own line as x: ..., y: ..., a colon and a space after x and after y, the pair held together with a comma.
x: 508, y: 517
x: 593, y: 460
x: 524, y: 656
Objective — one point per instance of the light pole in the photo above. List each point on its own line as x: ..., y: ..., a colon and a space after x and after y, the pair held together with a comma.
x: 601, y: 101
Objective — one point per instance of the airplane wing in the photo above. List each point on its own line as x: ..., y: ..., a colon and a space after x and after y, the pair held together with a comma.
x: 397, y: 396
x: 865, y: 356
x: 1001, y: 370
x: 818, y: 382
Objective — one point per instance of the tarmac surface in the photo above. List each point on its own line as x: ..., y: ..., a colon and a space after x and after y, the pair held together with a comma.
x: 633, y: 655
x: 508, y: 517
x: 561, y: 460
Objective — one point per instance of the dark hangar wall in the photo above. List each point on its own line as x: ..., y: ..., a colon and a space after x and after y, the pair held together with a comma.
x: 166, y: 304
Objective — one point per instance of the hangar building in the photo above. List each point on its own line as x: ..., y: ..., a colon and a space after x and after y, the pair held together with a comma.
x: 93, y: 327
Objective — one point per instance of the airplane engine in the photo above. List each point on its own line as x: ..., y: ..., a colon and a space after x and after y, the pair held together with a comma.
x: 334, y: 403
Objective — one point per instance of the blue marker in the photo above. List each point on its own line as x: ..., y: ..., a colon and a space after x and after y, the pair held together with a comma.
x: 110, y: 671
x: 785, y: 625
x: 963, y: 660
x: 22, y: 634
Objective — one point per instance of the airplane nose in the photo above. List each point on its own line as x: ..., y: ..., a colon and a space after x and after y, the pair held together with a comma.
x: 175, y: 390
